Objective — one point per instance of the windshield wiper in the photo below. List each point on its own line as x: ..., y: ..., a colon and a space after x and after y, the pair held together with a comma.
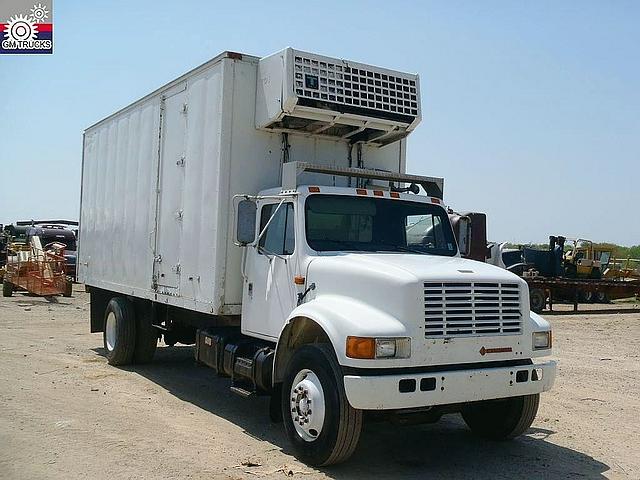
x: 402, y: 248
x: 345, y: 243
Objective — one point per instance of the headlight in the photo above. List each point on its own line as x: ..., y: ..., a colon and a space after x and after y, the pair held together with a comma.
x: 541, y: 340
x: 369, y: 347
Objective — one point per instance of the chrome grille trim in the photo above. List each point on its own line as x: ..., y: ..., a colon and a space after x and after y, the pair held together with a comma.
x: 463, y: 309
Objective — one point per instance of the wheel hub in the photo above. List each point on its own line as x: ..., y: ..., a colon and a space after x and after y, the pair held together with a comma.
x: 110, y: 331
x: 307, y: 405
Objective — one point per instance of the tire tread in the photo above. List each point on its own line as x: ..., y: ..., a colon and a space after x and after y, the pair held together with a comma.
x: 350, y: 425
x: 528, y: 415
x: 489, y: 420
x: 347, y: 424
x: 146, y: 336
x: 123, y: 353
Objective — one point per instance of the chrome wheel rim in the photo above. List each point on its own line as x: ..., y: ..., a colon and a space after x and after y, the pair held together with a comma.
x: 307, y: 405
x: 110, y: 331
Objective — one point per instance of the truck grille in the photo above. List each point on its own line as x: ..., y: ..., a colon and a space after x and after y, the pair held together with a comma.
x: 471, y: 309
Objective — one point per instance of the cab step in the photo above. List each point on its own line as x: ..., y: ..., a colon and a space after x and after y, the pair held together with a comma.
x: 241, y: 391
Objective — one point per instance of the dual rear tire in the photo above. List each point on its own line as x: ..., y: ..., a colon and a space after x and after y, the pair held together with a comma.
x: 128, y: 334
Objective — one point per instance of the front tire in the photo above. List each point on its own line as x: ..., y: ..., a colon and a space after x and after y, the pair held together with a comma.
x: 501, y: 419
x: 68, y: 289
x: 7, y: 289
x: 320, y: 423
x: 119, y: 331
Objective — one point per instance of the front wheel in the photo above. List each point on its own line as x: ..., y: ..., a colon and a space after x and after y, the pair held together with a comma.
x: 323, y: 427
x: 7, y: 289
x: 501, y: 419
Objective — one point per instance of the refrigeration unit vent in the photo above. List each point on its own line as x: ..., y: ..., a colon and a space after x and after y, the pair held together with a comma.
x: 317, y: 95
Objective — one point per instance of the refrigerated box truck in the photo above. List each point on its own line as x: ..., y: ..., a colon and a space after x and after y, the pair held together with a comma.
x: 259, y: 208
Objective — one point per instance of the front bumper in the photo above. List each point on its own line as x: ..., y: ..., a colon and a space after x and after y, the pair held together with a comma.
x: 390, y: 392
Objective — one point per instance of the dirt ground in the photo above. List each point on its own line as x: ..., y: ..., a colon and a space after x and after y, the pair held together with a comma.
x: 64, y: 413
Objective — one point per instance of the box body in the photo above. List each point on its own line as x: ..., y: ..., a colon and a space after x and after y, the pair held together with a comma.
x: 158, y: 178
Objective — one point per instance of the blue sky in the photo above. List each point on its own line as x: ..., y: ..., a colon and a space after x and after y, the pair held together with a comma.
x: 531, y: 110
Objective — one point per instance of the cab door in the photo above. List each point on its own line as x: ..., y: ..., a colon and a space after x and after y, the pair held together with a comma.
x: 269, y: 294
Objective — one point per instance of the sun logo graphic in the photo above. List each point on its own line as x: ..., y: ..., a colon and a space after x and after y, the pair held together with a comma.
x: 29, y: 31
x: 20, y: 29
x: 39, y: 13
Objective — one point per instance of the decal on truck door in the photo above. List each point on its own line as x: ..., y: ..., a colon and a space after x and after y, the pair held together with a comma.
x: 169, y: 213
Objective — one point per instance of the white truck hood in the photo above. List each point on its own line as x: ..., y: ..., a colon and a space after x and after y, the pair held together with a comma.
x: 414, y: 267
x: 385, y: 294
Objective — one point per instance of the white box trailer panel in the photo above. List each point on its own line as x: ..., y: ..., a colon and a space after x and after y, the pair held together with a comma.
x: 158, y: 179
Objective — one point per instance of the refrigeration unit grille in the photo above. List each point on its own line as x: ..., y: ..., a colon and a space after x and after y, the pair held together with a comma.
x: 471, y: 309
x: 310, y: 94
x: 355, y: 86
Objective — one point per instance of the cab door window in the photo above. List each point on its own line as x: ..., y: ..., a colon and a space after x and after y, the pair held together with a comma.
x: 280, y: 235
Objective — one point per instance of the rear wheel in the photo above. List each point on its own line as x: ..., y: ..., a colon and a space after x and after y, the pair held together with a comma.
x: 586, y: 296
x: 601, y: 297
x: 7, y: 289
x: 119, y: 331
x: 146, y: 336
x: 318, y: 419
x: 502, y: 419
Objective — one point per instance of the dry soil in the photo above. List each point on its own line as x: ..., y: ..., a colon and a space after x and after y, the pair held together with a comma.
x: 66, y: 414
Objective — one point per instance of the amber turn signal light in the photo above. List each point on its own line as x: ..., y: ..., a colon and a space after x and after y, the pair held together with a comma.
x: 361, y: 347
x: 298, y: 280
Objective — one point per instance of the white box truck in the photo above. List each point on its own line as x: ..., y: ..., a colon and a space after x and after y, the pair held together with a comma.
x: 259, y: 208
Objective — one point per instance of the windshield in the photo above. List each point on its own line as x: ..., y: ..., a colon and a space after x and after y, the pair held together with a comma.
x: 335, y: 223
x: 68, y: 240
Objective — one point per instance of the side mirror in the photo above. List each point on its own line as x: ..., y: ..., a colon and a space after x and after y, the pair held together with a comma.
x: 246, y: 222
x: 464, y: 235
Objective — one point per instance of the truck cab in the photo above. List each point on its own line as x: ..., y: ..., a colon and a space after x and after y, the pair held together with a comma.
x: 371, y: 280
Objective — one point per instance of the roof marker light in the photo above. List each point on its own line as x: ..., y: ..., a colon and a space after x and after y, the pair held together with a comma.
x: 361, y: 191
x: 314, y: 189
x: 378, y: 193
x: 394, y: 195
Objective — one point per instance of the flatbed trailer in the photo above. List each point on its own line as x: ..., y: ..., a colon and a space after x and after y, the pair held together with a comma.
x: 544, y: 290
